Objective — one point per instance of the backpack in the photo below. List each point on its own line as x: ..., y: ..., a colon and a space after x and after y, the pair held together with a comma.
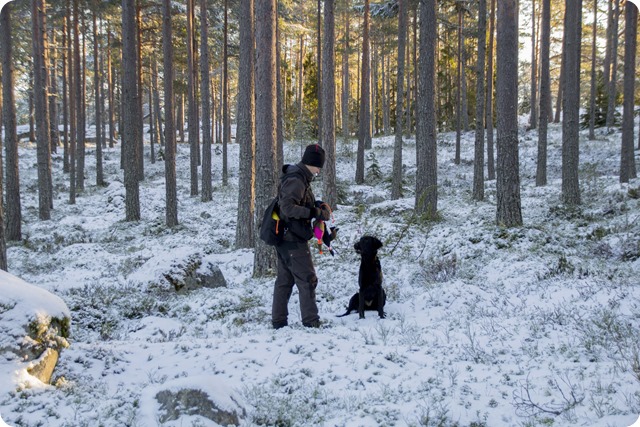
x: 272, y: 228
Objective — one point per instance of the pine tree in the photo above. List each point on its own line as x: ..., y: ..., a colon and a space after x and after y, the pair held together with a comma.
x: 508, y: 169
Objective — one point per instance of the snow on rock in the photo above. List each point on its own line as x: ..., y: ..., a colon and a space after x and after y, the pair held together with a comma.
x: 188, y: 401
x: 34, y: 325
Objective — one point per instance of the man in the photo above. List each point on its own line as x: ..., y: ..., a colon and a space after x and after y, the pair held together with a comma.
x: 295, y: 266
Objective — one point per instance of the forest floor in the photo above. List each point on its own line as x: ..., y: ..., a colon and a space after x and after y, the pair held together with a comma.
x: 486, y: 326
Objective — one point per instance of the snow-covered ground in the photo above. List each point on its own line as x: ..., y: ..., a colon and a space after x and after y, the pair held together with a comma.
x: 486, y: 326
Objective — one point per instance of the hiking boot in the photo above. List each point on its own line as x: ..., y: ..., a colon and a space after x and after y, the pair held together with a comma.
x: 312, y: 324
x: 279, y: 325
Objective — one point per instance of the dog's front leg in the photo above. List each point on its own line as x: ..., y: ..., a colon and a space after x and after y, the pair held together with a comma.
x: 361, y: 303
x: 381, y: 301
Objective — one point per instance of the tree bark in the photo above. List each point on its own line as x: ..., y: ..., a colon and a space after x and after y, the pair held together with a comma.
x: 52, y: 79
x: 594, y: 81
x: 459, y: 70
x: 396, y: 182
x: 97, y: 84
x: 563, y: 67
x: 613, y: 89
x: 14, y: 210
x: 193, y: 127
x: 266, y: 115
x: 171, y: 210
x: 130, y: 102
x: 65, y: 90
x: 627, y: 160
x: 533, y: 118
x: 207, y: 190
x: 111, y: 91
x: 571, y: 103
x: 225, y: 97
x: 78, y: 171
x: 364, y: 132
x: 330, y: 192
x: 319, y: 75
x: 345, y: 81
x: 491, y: 170
x: 426, y: 203
x: 508, y: 213
x: 545, y: 93
x: 246, y: 129
x: 73, y: 119
x: 478, y: 163
x: 41, y: 108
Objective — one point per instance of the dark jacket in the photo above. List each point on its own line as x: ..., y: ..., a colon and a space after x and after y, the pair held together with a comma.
x: 296, y: 202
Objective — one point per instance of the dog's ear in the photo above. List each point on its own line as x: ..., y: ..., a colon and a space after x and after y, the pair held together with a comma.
x: 377, y: 244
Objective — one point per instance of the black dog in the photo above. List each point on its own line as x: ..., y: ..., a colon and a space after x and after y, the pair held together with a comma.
x: 370, y: 296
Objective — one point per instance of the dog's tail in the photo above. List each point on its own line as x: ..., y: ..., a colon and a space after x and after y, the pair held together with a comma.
x: 345, y: 314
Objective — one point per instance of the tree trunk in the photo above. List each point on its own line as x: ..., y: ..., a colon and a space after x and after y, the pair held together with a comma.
x: 545, y: 93
x: 463, y: 77
x: 426, y: 203
x: 459, y: 70
x: 225, y: 97
x: 14, y: 211
x: 207, y: 190
x: 627, y: 160
x: 156, y: 101
x: 364, y: 132
x: 266, y: 115
x: 152, y: 123
x: 396, y: 182
x: 491, y: 170
x: 73, y: 120
x: 171, y: 212
x: 412, y: 129
x: 97, y: 83
x: 571, y: 103
x: 612, y: 90
x: 608, y: 46
x: 345, y: 81
x: 245, y: 133
x: 533, y: 118
x: 53, y: 95
x: 41, y: 108
x: 111, y: 91
x: 79, y: 103
x: 180, y: 118
x: 279, y: 101
x: 65, y: 90
x: 192, y: 124
x: 330, y: 192
x: 594, y: 82
x: 319, y: 76
x: 563, y: 67
x: 140, y: 122
x: 478, y: 163
x: 508, y: 212
x: 130, y: 102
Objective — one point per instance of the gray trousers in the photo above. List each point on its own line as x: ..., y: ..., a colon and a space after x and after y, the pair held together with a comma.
x: 295, y: 266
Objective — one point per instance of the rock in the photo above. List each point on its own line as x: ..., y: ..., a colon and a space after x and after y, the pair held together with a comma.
x: 194, y: 402
x: 193, y: 273
x: 43, y: 368
x: 34, y: 327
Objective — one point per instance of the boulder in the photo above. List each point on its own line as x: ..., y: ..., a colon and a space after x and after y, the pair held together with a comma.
x: 206, y: 399
x: 193, y: 402
x: 34, y: 327
x: 191, y: 273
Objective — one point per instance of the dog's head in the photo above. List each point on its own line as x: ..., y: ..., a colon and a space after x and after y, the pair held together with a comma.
x: 367, y: 246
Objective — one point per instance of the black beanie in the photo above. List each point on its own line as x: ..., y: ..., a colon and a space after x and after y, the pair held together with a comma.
x: 313, y: 156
